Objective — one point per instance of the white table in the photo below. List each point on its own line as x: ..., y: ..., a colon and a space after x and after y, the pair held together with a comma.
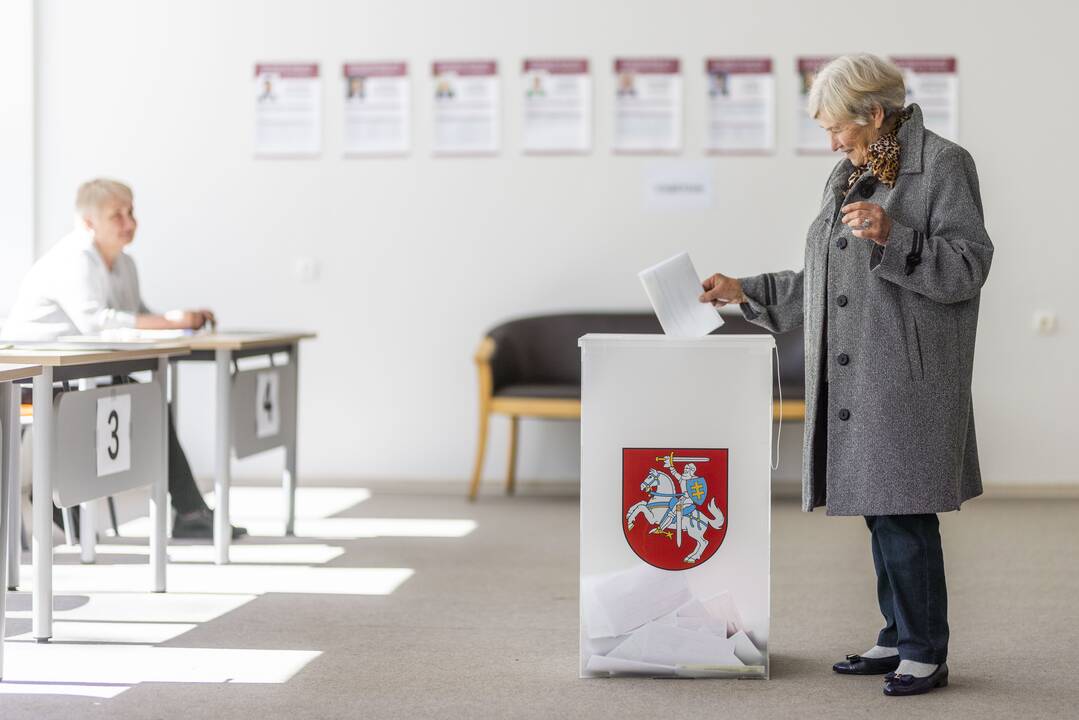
x: 66, y: 362
x: 9, y: 474
x: 236, y: 427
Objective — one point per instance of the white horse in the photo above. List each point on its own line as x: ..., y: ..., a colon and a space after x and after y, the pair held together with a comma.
x: 660, y: 484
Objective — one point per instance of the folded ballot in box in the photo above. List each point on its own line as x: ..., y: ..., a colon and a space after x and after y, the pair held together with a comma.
x: 665, y: 604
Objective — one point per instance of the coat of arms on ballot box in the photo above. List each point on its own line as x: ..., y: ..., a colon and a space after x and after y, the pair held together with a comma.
x: 674, y: 504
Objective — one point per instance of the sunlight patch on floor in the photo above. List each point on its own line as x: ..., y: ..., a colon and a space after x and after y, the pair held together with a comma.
x: 244, y: 579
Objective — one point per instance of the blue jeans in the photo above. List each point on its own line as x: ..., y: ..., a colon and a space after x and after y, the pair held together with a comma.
x: 911, y: 590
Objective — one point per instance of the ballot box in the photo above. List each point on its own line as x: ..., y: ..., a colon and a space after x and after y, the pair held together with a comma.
x: 675, y: 505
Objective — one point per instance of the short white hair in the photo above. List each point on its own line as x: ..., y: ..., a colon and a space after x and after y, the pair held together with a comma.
x: 92, y: 194
x: 850, y: 87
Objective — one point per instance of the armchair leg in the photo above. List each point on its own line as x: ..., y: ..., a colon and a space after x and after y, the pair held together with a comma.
x: 511, y: 464
x: 481, y: 449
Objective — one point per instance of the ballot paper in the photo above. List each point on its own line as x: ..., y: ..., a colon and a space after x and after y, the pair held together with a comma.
x: 673, y: 287
x: 618, y: 666
x: 627, y: 600
x: 658, y: 644
x: 644, y: 621
x: 745, y: 650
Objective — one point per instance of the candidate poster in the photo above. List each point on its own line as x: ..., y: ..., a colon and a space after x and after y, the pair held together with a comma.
x: 741, y: 105
x: 557, y: 105
x: 933, y: 83
x: 288, y: 109
x: 466, y: 107
x: 648, y: 105
x: 810, y: 138
x: 377, y: 108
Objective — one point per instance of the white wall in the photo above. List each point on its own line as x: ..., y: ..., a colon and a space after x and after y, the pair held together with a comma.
x: 420, y: 255
x: 16, y: 146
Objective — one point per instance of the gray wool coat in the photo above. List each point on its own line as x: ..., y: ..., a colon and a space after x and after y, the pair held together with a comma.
x: 889, y: 335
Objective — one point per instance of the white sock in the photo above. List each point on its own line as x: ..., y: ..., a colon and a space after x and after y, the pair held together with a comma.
x: 917, y: 669
x: 880, y: 652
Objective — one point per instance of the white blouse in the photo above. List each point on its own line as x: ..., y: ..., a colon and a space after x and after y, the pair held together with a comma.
x: 71, y: 291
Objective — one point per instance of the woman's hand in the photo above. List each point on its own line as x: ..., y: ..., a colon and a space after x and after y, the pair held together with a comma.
x: 868, y: 220
x: 721, y: 290
x: 190, y: 319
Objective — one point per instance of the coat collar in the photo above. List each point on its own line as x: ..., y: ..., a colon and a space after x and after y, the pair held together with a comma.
x: 910, y: 136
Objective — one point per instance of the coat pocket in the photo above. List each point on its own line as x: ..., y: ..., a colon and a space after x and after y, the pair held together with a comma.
x: 932, y: 343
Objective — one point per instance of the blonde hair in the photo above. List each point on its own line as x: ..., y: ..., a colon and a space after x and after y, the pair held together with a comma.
x: 851, y: 86
x: 92, y: 194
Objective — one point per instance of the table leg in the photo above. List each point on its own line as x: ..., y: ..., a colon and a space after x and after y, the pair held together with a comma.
x: 6, y: 481
x: 87, y: 511
x: 88, y: 532
x: 289, y: 476
x: 12, y: 444
x: 222, y: 455
x: 42, y: 512
x: 159, y: 488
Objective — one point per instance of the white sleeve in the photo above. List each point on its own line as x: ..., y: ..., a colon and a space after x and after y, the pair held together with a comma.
x: 83, y: 297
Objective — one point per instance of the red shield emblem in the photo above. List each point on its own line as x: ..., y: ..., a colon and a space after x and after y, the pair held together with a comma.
x: 674, y: 504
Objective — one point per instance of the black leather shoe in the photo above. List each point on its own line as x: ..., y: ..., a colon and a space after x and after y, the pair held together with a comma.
x: 910, y: 685
x: 858, y: 665
x: 199, y: 525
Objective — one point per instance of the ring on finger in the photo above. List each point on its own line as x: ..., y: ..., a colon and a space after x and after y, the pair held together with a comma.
x: 866, y: 223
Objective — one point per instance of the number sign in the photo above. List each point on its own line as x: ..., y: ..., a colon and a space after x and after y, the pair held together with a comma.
x: 113, y: 434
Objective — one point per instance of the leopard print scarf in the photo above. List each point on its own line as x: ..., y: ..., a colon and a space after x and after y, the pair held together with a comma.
x: 882, y: 156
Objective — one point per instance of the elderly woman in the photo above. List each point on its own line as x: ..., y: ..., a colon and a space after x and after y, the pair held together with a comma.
x: 894, y: 265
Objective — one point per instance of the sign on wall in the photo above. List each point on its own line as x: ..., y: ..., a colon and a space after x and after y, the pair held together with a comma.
x: 933, y: 83
x: 377, y: 108
x: 648, y: 105
x: 741, y: 105
x: 466, y: 104
x: 809, y: 137
x: 288, y: 109
x: 557, y: 105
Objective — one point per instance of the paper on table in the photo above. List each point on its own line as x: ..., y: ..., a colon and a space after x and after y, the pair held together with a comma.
x: 629, y: 599
x: 673, y: 287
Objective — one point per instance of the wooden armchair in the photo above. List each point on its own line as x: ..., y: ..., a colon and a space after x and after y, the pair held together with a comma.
x: 531, y: 367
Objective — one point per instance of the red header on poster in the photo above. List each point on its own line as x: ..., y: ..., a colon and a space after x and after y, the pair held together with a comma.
x: 465, y: 67
x: 555, y: 66
x: 648, y: 66
x: 813, y: 64
x: 736, y: 66
x: 376, y: 69
x: 927, y: 64
x: 288, y: 70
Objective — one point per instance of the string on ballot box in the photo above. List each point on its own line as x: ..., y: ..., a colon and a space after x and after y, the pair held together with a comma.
x: 779, y: 430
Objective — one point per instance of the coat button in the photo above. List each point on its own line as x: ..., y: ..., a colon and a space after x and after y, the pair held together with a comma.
x: 867, y: 189
x: 843, y: 358
x: 841, y: 301
x: 841, y: 243
x: 844, y: 414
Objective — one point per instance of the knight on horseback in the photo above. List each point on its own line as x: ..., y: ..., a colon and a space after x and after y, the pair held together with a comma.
x: 682, y: 502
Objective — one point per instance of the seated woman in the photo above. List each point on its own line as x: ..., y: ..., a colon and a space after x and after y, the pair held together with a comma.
x: 87, y: 284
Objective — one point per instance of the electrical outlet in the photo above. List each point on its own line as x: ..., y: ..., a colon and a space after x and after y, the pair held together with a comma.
x: 1045, y: 322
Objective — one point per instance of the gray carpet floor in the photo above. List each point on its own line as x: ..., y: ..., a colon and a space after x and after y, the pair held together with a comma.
x: 487, y: 627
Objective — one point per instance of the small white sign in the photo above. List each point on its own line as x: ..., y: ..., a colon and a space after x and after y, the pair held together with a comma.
x: 113, y: 434
x: 678, y: 185
x: 267, y: 406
